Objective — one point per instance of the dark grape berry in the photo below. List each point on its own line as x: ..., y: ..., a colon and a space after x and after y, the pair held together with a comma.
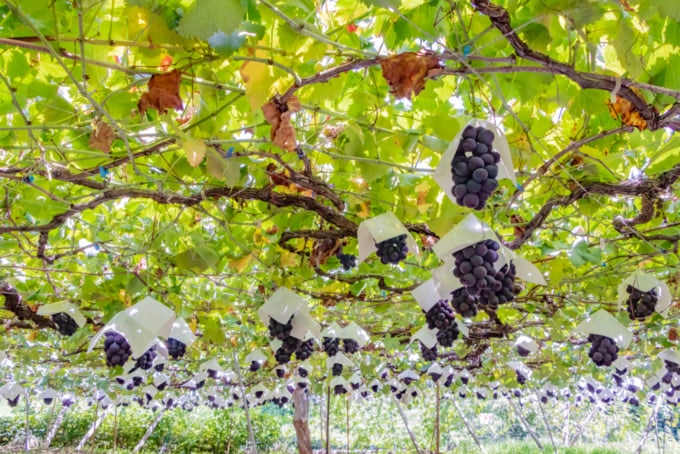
x: 446, y: 336
x: 282, y: 355
x: 302, y: 372
x: 176, y: 348
x: 350, y: 346
x: 348, y: 261
x: 331, y: 345
x: 305, y: 350
x: 116, y: 348
x: 464, y: 303
x: 337, y: 369
x: 603, y: 350
x: 440, y: 316
x: 65, y: 324
x: 429, y: 354
x: 280, y: 330
x: 392, y: 250
x: 640, y: 305
x: 474, y: 168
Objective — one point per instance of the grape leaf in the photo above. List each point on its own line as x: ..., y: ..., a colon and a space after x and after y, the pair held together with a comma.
x: 209, y: 17
x: 195, y: 150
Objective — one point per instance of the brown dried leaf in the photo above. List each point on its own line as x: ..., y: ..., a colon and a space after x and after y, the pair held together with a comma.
x: 323, y: 249
x: 630, y: 116
x: 163, y: 93
x: 519, y: 224
x: 673, y: 334
x: 102, y: 137
x: 406, y: 72
x: 279, y: 115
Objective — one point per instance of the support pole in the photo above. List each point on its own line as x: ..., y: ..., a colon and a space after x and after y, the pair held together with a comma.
x: 301, y: 421
x: 567, y: 418
x: 408, y: 429
x: 150, y: 430
x: 437, y: 433
x: 525, y: 423
x: 55, y: 426
x: 547, y: 426
x: 467, y: 426
x: 347, y: 419
x: 251, y: 435
x: 93, y: 428
x: 328, y: 418
x: 28, y: 428
x: 650, y: 421
x: 583, y: 426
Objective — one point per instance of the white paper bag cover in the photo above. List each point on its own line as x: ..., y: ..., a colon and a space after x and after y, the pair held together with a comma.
x: 645, y: 282
x: 467, y: 232
x: 65, y: 307
x: 339, y: 358
x: 281, y: 306
x: 378, y: 229
x: 428, y: 337
x: 355, y: 332
x: 443, y: 175
x: 182, y: 332
x: 604, y: 324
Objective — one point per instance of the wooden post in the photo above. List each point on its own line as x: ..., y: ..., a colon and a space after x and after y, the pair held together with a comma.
x: 567, y: 418
x: 28, y: 429
x: 583, y: 426
x: 115, y: 426
x: 547, y: 426
x: 301, y: 421
x: 347, y: 418
x: 150, y: 430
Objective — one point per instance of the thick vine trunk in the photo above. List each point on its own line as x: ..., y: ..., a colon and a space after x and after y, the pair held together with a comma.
x: 300, y: 421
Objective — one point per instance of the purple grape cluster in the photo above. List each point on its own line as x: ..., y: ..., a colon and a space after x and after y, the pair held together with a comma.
x: 348, y: 261
x: 440, y: 316
x: 504, y: 289
x: 474, y: 168
x: 603, y: 350
x: 392, y: 250
x: 641, y: 304
x: 336, y: 370
x: 305, y: 350
x: 176, y: 348
x: 523, y: 352
x: 475, y: 266
x: 145, y: 361
x: 350, y: 346
x: 65, y: 324
x: 464, y: 303
x: 339, y: 389
x: 446, y: 336
x: 331, y: 345
x: 429, y: 354
x: 280, y: 330
x: 116, y: 348
x: 289, y: 346
x: 521, y: 378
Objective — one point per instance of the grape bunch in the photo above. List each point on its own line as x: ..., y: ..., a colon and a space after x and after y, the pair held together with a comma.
x: 474, y: 266
x: 440, y: 316
x: 302, y: 372
x: 336, y: 370
x: 145, y: 361
x: 116, y: 348
x: 348, y: 261
x: 429, y: 354
x: 464, y: 303
x: 503, y: 291
x: 392, y: 250
x: 641, y: 304
x: 603, y: 350
x: 339, y: 389
x: 305, y: 350
x: 474, y: 168
x: 523, y: 351
x: 289, y: 346
x: 280, y: 330
x: 521, y: 378
x: 331, y: 345
x: 445, y: 337
x: 176, y: 348
x: 350, y: 346
x: 65, y: 324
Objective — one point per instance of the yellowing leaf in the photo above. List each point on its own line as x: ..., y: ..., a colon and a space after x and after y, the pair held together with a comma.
x: 195, y: 150
x: 241, y: 264
x: 364, y: 211
x: 259, y: 80
x: 288, y: 259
